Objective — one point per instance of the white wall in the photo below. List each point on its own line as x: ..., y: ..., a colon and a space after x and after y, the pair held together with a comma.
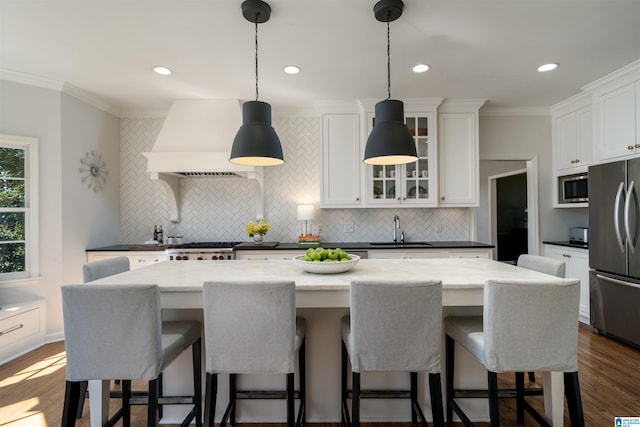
x: 512, y: 137
x: 66, y: 129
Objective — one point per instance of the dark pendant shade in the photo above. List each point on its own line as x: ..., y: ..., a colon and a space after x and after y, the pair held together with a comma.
x: 390, y: 142
x: 256, y: 143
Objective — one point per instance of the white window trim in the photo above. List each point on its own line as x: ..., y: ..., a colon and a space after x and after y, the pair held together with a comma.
x: 32, y: 217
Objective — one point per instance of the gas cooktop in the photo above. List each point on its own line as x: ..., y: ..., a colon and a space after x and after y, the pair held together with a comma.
x: 206, y: 245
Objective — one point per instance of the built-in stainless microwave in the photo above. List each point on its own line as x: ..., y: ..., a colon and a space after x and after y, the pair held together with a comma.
x: 573, y: 188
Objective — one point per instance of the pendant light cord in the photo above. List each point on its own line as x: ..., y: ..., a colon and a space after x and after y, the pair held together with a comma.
x: 388, y: 62
x: 257, y: 55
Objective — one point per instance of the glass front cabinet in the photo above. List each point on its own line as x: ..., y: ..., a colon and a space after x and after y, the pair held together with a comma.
x: 412, y: 184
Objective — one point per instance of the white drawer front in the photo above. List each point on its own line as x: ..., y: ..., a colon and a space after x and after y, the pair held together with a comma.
x: 21, y: 326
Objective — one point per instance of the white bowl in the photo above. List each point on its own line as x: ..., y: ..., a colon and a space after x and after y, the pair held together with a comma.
x: 326, y: 267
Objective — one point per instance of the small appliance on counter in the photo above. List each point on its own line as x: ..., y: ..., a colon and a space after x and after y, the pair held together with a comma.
x: 579, y: 235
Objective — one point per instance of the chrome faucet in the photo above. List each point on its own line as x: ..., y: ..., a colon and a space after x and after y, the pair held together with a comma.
x: 396, y: 227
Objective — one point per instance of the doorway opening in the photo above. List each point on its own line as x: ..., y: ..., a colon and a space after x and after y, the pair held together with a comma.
x: 492, y: 169
x: 511, y: 215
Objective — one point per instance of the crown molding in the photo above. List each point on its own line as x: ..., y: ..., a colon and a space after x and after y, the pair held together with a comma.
x: 628, y: 73
x: 143, y: 114
x: 515, y: 111
x: 90, y: 99
x: 31, y: 80
x: 62, y: 87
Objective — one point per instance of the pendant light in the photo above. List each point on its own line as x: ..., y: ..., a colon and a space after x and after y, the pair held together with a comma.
x: 390, y: 142
x: 256, y: 143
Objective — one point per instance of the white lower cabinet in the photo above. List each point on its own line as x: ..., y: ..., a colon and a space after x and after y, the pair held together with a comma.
x: 577, y: 267
x: 265, y: 255
x: 401, y: 254
x: 470, y: 253
x: 22, y: 328
x: 136, y: 259
x: 429, y: 253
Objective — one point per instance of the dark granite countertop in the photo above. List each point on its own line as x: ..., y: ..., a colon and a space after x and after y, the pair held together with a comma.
x: 292, y: 246
x: 132, y: 248
x: 368, y: 245
x: 568, y: 244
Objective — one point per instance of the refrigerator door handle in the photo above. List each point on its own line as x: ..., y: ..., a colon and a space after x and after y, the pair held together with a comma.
x: 616, y: 222
x: 627, y: 209
x: 617, y: 281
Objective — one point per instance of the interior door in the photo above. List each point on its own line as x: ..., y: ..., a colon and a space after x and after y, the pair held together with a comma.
x: 606, y: 241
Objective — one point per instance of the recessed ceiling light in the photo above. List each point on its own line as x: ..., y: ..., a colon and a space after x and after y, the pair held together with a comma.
x: 421, y: 68
x: 548, y: 67
x: 291, y: 69
x: 162, y: 70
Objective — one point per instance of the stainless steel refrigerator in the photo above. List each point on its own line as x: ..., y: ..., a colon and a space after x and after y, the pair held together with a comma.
x: 614, y: 249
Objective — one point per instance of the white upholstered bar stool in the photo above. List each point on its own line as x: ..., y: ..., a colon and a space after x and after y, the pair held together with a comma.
x: 105, y: 267
x: 544, y: 265
x: 251, y: 328
x: 393, y: 326
x: 93, y: 271
x: 116, y: 331
x: 526, y: 326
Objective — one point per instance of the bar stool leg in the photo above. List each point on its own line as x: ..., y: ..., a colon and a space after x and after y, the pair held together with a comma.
x: 302, y: 367
x: 210, y: 399
x: 196, y: 356
x: 355, y: 400
x: 152, y: 408
x: 414, y: 396
x: 83, y: 394
x: 290, y: 401
x: 435, y: 390
x: 71, y: 403
x: 520, y: 397
x: 233, y: 387
x: 450, y: 346
x: 494, y: 412
x: 126, y: 403
x: 574, y: 402
x: 343, y: 403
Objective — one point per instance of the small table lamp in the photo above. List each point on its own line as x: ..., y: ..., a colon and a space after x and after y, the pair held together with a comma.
x: 306, y: 214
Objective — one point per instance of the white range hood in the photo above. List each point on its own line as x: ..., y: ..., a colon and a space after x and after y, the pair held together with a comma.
x: 195, y: 141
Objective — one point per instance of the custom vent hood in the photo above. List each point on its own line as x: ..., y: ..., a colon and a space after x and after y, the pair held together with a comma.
x: 195, y: 141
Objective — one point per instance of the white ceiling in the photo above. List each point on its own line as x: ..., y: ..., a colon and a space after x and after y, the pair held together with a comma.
x: 477, y: 49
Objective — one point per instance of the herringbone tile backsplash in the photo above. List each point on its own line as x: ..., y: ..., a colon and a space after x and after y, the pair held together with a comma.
x: 219, y: 208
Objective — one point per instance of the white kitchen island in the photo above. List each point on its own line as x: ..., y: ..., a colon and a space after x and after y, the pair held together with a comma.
x: 323, y: 300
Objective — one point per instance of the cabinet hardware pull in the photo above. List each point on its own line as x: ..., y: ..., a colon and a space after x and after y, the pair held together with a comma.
x: 637, y: 145
x: 11, y: 329
x: 147, y: 260
x: 573, y: 162
x: 630, y: 147
x: 577, y: 161
x: 357, y: 199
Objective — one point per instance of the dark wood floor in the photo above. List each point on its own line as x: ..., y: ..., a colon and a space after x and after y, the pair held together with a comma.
x: 32, y: 387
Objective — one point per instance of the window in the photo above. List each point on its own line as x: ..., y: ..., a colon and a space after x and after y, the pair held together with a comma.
x: 18, y: 208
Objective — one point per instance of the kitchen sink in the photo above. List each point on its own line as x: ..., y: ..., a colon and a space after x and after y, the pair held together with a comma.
x: 405, y: 244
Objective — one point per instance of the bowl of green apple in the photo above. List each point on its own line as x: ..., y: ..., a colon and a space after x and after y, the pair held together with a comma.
x: 326, y: 261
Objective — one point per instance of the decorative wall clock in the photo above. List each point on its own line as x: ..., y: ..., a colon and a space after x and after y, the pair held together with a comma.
x: 93, y: 171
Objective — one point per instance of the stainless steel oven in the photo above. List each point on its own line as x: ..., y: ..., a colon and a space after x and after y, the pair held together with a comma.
x: 573, y: 188
x: 202, y: 251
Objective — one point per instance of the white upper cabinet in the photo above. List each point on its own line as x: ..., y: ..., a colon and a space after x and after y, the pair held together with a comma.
x: 616, y: 109
x: 572, y: 126
x: 412, y: 184
x: 341, y: 158
x: 616, y: 126
x: 458, y: 164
